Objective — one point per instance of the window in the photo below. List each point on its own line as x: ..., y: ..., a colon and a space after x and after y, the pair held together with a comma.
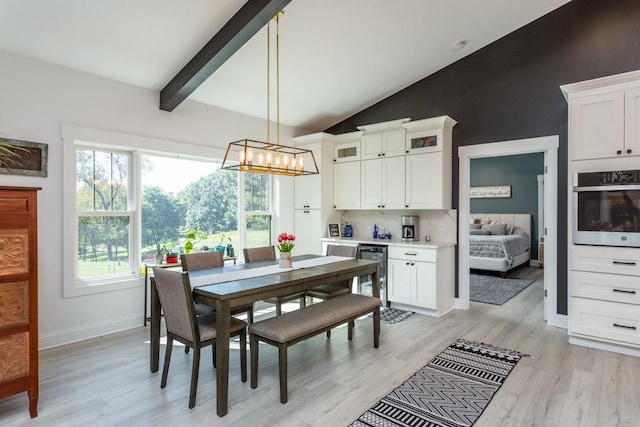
x: 103, y: 214
x: 125, y: 196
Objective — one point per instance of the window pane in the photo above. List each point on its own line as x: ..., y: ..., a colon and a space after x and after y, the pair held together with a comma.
x: 103, y: 246
x: 256, y: 192
x: 181, y: 194
x: 101, y: 180
x: 258, y: 230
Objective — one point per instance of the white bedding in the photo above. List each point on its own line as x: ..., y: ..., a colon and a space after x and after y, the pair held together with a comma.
x: 499, y: 246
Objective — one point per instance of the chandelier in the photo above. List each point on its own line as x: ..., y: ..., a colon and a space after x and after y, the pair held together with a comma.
x: 268, y: 157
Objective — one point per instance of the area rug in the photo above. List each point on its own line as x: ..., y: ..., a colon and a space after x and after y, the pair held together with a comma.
x: 495, y: 290
x: 393, y: 315
x: 452, y: 390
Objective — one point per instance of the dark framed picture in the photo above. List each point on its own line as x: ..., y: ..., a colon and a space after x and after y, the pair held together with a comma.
x: 23, y: 157
x: 334, y: 230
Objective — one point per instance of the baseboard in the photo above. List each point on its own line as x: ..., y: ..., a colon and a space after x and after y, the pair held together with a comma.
x: 85, y: 332
x: 599, y: 345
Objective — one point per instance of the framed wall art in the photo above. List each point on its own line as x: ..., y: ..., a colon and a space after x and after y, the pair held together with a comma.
x: 490, y: 192
x: 333, y: 230
x: 23, y: 157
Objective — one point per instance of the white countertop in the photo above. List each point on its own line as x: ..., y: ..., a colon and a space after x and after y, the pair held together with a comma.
x: 389, y: 242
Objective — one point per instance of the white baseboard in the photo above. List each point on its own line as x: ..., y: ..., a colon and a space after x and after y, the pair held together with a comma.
x: 85, y: 332
x: 615, y: 348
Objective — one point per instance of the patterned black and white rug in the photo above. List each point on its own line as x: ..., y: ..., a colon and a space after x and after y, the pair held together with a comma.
x: 393, y: 315
x: 452, y: 390
x: 493, y: 289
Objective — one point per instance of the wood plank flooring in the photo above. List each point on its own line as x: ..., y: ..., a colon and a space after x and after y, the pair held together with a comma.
x: 106, y: 381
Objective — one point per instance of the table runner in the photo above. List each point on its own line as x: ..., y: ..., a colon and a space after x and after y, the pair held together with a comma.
x: 213, y: 278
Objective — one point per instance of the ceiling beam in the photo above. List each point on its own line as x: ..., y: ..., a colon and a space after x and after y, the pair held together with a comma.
x: 251, y: 17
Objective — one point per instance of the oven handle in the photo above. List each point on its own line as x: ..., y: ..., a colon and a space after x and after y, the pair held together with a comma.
x: 607, y: 188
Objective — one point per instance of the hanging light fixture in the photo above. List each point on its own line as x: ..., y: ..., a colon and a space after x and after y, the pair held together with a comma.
x: 268, y: 157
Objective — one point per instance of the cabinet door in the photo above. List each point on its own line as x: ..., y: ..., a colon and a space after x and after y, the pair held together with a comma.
x: 399, y: 281
x: 371, y: 182
x: 346, y: 185
x: 596, y: 125
x: 393, y: 143
x: 424, y: 182
x: 308, y: 188
x: 308, y: 230
x: 371, y: 147
x: 393, y: 183
x: 424, y: 285
x: 632, y: 122
x: 346, y: 152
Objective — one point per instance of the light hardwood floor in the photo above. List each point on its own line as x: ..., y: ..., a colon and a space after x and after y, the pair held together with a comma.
x: 106, y: 381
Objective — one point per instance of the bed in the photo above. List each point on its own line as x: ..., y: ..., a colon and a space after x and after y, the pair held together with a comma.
x: 499, y: 242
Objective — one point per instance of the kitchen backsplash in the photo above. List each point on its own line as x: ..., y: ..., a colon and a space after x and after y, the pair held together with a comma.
x: 440, y: 225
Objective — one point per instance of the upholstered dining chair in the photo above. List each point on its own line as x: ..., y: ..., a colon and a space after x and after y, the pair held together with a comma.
x: 204, y: 260
x: 176, y: 299
x: 334, y: 289
x: 268, y: 253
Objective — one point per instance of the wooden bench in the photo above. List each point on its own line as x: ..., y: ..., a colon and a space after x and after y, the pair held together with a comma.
x: 291, y: 328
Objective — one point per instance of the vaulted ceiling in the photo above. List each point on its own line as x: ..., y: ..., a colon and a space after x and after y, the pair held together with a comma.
x: 337, y: 57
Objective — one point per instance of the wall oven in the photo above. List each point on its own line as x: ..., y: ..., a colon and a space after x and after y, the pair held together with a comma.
x: 606, y: 208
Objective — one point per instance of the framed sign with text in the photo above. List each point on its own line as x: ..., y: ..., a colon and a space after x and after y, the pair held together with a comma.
x: 490, y: 192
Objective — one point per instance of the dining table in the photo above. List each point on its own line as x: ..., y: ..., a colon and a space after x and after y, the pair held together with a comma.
x: 231, y: 286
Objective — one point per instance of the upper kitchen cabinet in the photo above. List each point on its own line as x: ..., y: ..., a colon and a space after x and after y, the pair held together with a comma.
x: 604, y: 117
x: 429, y: 135
x: 346, y: 147
x: 314, y: 191
x: 386, y: 139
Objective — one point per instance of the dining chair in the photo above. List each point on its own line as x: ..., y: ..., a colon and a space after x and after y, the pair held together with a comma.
x: 332, y: 290
x: 268, y: 253
x: 182, y: 324
x: 204, y: 260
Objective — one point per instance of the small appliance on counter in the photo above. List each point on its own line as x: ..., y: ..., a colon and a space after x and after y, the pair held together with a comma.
x: 348, y: 230
x: 410, y: 232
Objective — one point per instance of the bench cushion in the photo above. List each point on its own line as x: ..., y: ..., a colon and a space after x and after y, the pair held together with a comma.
x: 316, y: 317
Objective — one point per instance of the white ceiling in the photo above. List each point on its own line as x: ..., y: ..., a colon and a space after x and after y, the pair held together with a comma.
x: 337, y: 57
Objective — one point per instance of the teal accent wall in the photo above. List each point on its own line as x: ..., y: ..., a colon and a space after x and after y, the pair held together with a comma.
x: 521, y: 173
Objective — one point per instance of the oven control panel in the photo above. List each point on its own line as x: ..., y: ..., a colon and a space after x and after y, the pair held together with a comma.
x: 591, y: 179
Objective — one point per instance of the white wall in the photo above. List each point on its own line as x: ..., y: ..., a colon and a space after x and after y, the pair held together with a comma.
x: 37, y: 98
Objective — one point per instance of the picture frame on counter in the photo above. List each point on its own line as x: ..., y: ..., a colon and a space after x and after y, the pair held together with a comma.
x: 333, y: 230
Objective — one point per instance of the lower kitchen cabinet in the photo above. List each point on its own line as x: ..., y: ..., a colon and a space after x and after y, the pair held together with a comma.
x: 421, y: 279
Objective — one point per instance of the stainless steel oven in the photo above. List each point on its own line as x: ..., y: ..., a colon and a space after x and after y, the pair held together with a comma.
x: 606, y: 208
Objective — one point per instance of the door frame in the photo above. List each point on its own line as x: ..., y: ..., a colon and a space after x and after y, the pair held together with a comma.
x: 547, y: 145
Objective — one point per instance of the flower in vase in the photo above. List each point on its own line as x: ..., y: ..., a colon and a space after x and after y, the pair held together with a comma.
x: 286, y: 242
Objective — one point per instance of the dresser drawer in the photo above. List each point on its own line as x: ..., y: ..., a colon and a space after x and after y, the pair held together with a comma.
x: 605, y: 259
x: 608, y: 321
x: 413, y: 254
x: 607, y: 287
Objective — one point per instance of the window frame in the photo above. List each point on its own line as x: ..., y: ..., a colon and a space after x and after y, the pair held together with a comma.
x: 242, y: 213
x: 74, y: 137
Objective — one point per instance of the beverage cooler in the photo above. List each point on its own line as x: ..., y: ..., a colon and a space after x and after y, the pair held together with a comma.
x: 376, y: 253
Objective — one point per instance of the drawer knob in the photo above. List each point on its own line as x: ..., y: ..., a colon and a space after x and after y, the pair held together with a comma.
x: 624, y: 326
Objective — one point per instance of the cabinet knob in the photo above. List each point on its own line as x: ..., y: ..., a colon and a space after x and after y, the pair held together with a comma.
x: 335, y: 160
x: 406, y: 206
x: 383, y: 154
x: 407, y: 152
x: 408, y: 263
x: 383, y: 206
x: 619, y: 152
x: 379, y: 154
x: 629, y: 151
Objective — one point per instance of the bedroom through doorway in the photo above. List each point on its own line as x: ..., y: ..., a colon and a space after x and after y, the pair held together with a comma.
x: 548, y: 148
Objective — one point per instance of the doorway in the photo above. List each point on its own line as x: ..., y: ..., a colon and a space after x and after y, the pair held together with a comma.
x: 549, y: 147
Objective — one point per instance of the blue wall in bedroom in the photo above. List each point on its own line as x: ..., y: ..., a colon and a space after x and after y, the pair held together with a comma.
x: 521, y: 172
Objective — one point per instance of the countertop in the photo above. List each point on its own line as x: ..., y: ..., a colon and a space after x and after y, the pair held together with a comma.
x: 389, y: 242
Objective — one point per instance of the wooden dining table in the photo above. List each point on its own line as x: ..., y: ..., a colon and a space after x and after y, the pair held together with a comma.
x: 234, y: 293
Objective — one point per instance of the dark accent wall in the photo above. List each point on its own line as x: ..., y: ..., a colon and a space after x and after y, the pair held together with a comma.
x: 521, y: 173
x: 510, y: 89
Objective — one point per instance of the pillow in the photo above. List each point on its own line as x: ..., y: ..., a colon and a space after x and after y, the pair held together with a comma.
x: 508, y: 229
x: 495, y: 229
x: 475, y: 226
x: 477, y: 232
x: 486, y: 220
x: 520, y: 231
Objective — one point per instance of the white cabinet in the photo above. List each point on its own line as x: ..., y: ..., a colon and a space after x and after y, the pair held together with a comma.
x: 421, y: 278
x: 383, y: 183
x: 604, y: 117
x: 308, y: 231
x: 428, y: 181
x: 383, y: 144
x: 346, y: 151
x: 307, y: 188
x: 346, y: 185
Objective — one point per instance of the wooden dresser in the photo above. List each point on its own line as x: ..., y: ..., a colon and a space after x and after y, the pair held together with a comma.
x: 19, y: 293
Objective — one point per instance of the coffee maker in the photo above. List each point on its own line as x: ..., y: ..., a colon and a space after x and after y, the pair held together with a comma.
x: 410, y: 231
